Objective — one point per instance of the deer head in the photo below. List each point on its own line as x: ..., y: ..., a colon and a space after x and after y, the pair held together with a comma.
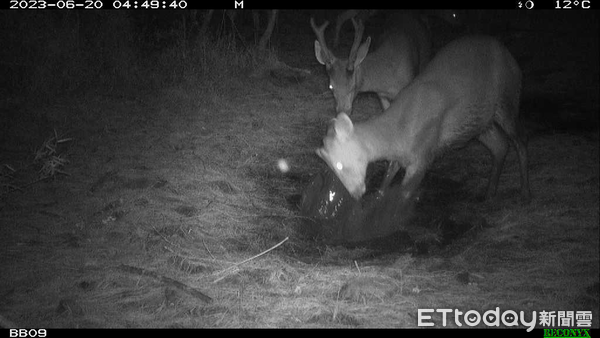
x: 344, y: 74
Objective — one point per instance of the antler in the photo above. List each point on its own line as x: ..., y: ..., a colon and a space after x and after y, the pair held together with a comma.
x: 320, y: 32
x: 359, y: 28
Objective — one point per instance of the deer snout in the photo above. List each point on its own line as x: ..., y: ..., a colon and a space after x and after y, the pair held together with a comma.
x: 344, y: 105
x: 343, y: 109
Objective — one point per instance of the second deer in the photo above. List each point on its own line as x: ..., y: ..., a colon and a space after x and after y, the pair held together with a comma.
x: 470, y: 90
x: 404, y: 50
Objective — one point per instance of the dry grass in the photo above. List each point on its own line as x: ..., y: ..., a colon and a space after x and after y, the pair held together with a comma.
x: 193, y: 189
x: 49, y: 160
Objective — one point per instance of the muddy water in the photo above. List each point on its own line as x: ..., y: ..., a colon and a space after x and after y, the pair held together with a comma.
x: 335, y: 217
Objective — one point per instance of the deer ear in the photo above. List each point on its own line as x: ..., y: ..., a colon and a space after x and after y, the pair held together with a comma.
x: 362, y: 52
x: 321, y: 153
x: 343, y: 126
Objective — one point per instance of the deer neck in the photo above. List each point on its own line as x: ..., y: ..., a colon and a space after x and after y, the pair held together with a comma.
x: 373, y: 136
x: 373, y: 73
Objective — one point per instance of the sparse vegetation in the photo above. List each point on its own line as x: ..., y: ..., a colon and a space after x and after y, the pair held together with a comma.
x: 47, y: 158
x: 52, y: 162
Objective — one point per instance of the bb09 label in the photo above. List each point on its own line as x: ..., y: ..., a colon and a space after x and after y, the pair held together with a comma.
x: 23, y: 333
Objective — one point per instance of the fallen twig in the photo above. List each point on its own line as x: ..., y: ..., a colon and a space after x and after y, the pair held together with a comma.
x: 247, y: 260
x: 143, y: 272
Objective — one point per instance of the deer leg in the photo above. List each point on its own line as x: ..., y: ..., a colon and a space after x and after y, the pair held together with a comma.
x: 390, y: 173
x: 412, y: 178
x: 521, y: 146
x: 495, y: 140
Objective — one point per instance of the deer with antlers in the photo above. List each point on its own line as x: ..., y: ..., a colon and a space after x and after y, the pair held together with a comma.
x: 404, y: 50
